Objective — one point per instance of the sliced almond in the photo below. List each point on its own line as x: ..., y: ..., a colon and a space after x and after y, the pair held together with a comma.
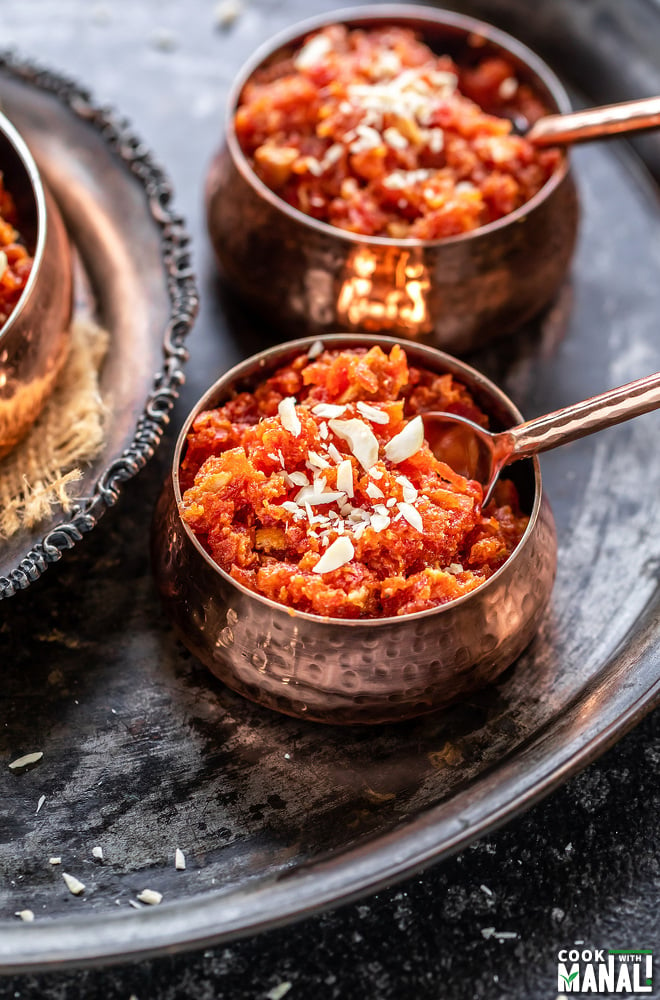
x: 374, y: 491
x: 373, y: 414
x: 360, y: 438
x: 393, y: 138
x: 507, y: 89
x: 328, y: 410
x: 313, y: 52
x: 338, y: 554
x: 317, y: 346
x: 333, y: 154
x: 74, y: 885
x: 409, y: 491
x: 299, y: 479
x: 317, y: 461
x: 407, y: 442
x: 411, y: 515
x: 345, y: 477
x: 150, y: 896
x: 320, y: 499
x: 318, y: 486
x: 28, y: 760
x: 379, y: 522
x: 436, y: 140
x: 287, y: 414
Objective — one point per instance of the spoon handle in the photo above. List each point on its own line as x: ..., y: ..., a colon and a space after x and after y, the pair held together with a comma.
x: 573, y: 422
x: 630, y: 116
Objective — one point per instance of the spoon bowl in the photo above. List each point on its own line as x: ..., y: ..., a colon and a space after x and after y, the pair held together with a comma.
x: 481, y: 454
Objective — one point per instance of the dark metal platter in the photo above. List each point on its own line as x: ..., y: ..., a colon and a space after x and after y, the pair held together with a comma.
x: 132, y: 275
x: 144, y: 752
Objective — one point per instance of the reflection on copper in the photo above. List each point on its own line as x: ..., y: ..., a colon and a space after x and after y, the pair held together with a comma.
x: 385, y: 290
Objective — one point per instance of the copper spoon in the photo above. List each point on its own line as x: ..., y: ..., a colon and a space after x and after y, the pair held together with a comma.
x: 483, y: 454
x: 594, y: 123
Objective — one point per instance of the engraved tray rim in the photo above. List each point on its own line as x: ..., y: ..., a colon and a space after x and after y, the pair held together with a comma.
x: 47, y: 543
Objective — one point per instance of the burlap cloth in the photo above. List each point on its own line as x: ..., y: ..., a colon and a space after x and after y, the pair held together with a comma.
x: 42, y: 470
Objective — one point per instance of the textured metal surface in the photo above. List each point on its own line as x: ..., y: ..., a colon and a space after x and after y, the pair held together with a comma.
x: 280, y: 817
x: 354, y: 671
x: 456, y: 293
x: 133, y: 276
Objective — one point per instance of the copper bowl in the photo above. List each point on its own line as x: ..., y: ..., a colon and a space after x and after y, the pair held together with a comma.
x: 35, y: 337
x: 344, y: 670
x: 457, y: 293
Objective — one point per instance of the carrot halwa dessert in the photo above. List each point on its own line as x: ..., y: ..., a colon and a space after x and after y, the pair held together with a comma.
x: 15, y: 261
x: 319, y: 491
x: 370, y: 131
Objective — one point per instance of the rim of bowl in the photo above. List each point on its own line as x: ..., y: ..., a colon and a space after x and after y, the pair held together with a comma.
x: 15, y: 139
x: 397, y: 13
x: 267, y: 361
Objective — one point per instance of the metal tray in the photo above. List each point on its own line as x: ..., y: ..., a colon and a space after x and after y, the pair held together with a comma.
x: 144, y: 752
x: 132, y: 274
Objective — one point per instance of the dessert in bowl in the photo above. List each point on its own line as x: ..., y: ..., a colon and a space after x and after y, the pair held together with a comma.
x: 35, y: 289
x: 371, y: 179
x: 318, y: 557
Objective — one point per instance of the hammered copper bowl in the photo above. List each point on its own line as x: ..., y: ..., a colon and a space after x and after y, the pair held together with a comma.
x: 353, y: 671
x: 35, y: 337
x: 306, y: 276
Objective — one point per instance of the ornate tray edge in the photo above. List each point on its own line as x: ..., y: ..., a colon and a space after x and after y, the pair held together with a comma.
x: 184, y: 299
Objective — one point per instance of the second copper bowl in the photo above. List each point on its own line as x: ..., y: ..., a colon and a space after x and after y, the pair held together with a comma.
x: 457, y: 293
x: 349, y: 670
x: 35, y: 337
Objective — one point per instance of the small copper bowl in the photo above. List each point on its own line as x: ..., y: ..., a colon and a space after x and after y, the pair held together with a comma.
x: 35, y: 337
x: 354, y: 671
x: 457, y: 293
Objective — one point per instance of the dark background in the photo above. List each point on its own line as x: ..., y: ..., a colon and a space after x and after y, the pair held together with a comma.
x: 582, y: 866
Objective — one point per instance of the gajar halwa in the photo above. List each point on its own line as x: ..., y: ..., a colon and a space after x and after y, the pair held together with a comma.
x: 319, y: 491
x: 370, y: 131
x: 15, y: 261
